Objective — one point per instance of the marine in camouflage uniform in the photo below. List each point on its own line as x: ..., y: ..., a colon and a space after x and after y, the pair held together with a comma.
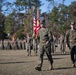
x: 44, y: 47
x: 34, y: 44
x: 71, y: 41
x: 62, y: 44
x: 28, y: 45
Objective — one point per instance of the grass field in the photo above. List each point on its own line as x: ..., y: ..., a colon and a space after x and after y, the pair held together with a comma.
x: 16, y: 62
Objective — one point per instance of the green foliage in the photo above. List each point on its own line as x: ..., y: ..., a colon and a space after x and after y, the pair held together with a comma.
x: 58, y: 20
x: 27, y: 4
x: 63, y: 29
x: 9, y: 22
x: 2, y: 20
x: 19, y: 34
x: 54, y: 15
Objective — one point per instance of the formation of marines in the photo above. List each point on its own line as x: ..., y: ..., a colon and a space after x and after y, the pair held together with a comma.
x: 46, y: 43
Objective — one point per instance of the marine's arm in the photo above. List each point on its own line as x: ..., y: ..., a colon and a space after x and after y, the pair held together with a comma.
x: 67, y: 39
x: 50, y: 37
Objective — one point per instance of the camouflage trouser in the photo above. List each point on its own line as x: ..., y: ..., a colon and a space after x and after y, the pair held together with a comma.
x: 73, y: 54
x: 62, y: 48
x: 28, y: 49
x: 52, y: 47
x: 35, y: 48
x: 44, y: 49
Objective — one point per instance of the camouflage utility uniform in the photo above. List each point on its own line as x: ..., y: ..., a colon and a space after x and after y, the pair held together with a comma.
x: 35, y: 45
x: 28, y: 43
x: 71, y: 42
x: 44, y: 47
x: 62, y: 44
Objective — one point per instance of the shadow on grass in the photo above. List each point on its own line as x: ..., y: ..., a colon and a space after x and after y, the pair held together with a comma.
x: 16, y: 62
x: 62, y: 68
x: 53, y: 58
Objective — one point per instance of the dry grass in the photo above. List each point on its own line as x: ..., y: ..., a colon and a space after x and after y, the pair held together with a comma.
x: 18, y: 63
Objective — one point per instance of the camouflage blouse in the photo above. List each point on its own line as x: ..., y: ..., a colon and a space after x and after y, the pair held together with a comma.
x: 71, y: 38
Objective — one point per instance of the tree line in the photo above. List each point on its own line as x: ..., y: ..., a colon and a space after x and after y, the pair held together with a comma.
x: 16, y: 18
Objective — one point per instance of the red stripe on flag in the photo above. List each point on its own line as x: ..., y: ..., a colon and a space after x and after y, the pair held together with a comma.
x: 34, y: 24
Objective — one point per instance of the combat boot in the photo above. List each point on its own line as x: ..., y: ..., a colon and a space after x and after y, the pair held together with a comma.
x: 38, y: 68
x: 73, y: 65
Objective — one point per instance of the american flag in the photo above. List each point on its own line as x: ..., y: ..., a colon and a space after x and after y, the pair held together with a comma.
x: 34, y: 24
x: 37, y: 23
x: 38, y: 27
